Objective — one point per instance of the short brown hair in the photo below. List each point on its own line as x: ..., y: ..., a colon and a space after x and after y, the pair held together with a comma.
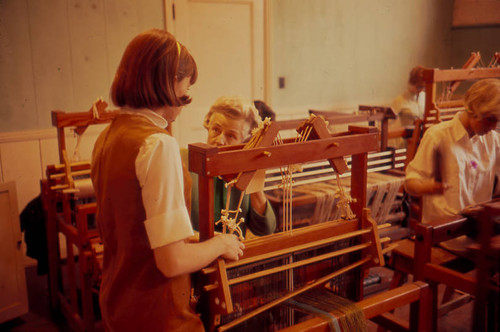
x: 150, y: 65
x: 416, y: 76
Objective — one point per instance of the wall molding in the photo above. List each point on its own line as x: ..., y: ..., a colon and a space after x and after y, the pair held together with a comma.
x: 40, y: 134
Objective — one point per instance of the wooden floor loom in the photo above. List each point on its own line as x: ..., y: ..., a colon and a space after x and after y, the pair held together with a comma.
x: 69, y: 204
x: 281, y: 278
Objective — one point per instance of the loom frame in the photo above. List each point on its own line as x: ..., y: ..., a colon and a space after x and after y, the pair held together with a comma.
x: 71, y: 280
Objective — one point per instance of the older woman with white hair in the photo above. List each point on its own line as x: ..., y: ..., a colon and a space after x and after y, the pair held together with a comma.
x: 229, y: 121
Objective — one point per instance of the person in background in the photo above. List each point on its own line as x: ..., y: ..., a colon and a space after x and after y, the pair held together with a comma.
x: 230, y: 120
x: 141, y: 213
x: 408, y: 106
x: 457, y: 161
x: 265, y: 111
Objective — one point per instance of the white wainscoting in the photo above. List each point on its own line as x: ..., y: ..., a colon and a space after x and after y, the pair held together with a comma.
x: 24, y: 157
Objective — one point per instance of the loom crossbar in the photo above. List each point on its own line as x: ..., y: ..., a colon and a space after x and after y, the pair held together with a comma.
x: 215, y: 161
x: 288, y: 250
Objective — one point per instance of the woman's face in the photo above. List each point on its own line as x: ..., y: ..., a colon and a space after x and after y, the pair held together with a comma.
x: 223, y: 130
x: 483, y: 124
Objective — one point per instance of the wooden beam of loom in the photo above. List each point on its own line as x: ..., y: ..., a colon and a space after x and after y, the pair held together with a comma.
x: 445, y: 75
x: 209, y: 160
x: 97, y: 114
x: 474, y: 58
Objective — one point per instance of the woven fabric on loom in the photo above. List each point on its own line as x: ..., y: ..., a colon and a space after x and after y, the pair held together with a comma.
x: 342, y: 314
x: 326, y: 200
x: 382, y: 190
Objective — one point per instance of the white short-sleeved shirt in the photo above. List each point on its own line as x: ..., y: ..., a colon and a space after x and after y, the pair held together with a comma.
x: 159, y: 171
x: 412, y: 102
x: 407, y: 108
x: 468, y: 165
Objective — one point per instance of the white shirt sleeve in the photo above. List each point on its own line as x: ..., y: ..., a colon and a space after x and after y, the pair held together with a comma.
x: 422, y: 166
x: 159, y: 171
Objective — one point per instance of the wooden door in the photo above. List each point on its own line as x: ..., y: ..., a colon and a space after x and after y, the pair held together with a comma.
x: 226, y: 39
x: 13, y: 298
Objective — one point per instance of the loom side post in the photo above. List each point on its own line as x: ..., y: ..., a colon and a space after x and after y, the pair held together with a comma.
x: 375, y: 250
x: 223, y: 298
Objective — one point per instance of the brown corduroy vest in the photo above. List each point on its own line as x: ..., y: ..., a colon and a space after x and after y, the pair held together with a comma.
x: 134, y: 294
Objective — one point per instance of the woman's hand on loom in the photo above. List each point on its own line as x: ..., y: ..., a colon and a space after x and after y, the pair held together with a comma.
x: 232, y: 248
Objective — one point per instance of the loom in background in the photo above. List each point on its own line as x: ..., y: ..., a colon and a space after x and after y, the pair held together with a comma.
x: 262, y: 289
x: 315, y: 186
x: 69, y: 203
x: 441, y: 103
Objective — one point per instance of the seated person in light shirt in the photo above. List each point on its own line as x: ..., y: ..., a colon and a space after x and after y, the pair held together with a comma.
x: 457, y: 161
x: 409, y: 105
x: 230, y: 120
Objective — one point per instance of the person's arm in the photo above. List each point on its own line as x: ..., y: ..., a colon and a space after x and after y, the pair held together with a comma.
x: 167, y: 224
x: 423, y: 173
x: 261, y: 219
x: 259, y: 202
x: 416, y: 187
x: 181, y: 257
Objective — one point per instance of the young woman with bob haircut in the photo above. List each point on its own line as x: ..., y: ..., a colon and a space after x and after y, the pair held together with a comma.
x: 138, y: 179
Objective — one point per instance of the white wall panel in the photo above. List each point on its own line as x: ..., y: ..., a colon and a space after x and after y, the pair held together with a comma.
x: 52, y: 58
x: 17, y: 89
